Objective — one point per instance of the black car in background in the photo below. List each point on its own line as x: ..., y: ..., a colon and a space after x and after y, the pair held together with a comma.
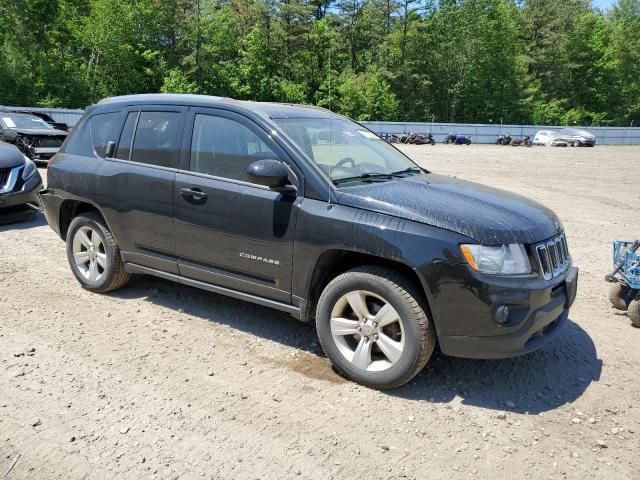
x: 310, y: 213
x: 36, y: 113
x: 31, y: 134
x: 20, y: 184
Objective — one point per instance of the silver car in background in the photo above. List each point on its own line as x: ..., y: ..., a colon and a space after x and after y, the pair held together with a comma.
x: 576, y: 138
x: 564, y: 138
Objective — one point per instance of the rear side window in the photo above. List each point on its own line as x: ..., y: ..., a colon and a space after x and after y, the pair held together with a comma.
x: 100, y: 126
x: 154, y: 138
x: 90, y: 137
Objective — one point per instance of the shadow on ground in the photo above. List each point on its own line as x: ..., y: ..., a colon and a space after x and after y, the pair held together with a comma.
x: 21, y: 221
x: 542, y: 381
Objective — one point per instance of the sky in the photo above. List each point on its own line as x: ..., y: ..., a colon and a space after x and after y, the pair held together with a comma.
x: 603, y: 4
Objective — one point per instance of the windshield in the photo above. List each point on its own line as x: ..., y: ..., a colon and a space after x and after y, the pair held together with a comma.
x: 23, y: 121
x: 346, y: 151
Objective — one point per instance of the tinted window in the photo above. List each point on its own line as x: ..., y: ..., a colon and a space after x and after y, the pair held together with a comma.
x: 154, y: 138
x: 124, y: 146
x: 224, y: 148
x: 100, y: 126
x: 90, y: 137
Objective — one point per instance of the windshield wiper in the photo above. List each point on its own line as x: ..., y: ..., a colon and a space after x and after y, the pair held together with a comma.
x: 407, y: 170
x: 377, y: 177
x: 369, y: 176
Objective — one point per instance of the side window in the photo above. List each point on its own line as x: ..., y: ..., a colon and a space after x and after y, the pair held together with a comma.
x: 154, y: 138
x: 124, y: 145
x: 90, y: 136
x: 225, y: 148
x: 100, y: 126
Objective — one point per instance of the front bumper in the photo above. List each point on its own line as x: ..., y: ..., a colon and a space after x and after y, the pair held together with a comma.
x: 537, y: 317
x: 21, y: 201
x: 22, y: 193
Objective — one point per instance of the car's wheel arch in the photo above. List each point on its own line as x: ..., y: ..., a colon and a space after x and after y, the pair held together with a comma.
x: 70, y: 209
x: 334, y: 262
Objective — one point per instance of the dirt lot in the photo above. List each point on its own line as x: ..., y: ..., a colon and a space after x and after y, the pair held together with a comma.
x: 164, y: 381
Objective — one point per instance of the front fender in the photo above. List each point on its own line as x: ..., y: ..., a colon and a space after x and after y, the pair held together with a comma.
x: 322, y: 227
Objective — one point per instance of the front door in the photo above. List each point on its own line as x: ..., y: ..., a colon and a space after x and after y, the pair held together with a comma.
x: 229, y: 231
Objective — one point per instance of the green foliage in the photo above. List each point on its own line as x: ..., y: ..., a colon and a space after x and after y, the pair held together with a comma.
x: 177, y: 82
x: 539, y: 61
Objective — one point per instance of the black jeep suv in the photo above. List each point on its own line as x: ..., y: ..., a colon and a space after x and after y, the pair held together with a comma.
x: 307, y: 212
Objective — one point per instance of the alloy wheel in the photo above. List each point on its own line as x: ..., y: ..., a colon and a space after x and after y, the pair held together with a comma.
x: 367, y: 330
x: 89, y: 253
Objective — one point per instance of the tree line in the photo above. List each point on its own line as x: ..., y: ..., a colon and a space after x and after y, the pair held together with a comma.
x: 528, y: 61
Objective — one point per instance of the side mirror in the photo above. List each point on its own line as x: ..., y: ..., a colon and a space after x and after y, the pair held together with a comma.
x: 110, y: 149
x: 271, y: 173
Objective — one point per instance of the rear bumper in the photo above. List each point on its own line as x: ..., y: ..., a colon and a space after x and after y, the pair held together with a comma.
x: 540, y: 325
x: 51, y: 204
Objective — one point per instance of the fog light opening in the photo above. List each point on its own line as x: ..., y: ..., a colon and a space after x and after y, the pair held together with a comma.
x: 502, y: 314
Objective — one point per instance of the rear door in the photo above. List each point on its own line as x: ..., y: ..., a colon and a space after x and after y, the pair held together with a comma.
x: 229, y: 231
x: 138, y: 181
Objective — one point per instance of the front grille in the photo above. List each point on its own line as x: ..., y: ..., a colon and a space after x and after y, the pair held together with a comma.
x: 4, y: 177
x: 48, y: 141
x: 553, y: 257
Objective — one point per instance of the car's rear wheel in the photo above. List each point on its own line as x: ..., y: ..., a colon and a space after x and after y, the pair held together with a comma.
x: 576, y: 143
x: 372, y: 325
x: 94, y: 255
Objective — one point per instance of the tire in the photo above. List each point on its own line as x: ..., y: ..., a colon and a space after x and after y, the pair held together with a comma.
x: 467, y: 142
x: 576, y: 144
x: 620, y: 295
x: 103, y: 260
x: 409, y: 340
x: 634, y: 312
x: 446, y: 141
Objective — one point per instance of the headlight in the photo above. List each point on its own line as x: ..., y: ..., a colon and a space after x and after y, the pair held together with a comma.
x: 29, y: 169
x: 503, y: 260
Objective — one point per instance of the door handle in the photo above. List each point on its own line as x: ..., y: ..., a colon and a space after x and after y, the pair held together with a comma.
x: 194, y: 193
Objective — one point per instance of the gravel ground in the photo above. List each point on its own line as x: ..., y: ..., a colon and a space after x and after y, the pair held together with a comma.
x: 163, y: 381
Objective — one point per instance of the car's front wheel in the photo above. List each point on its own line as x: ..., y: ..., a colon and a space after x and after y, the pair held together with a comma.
x: 373, y: 327
x: 94, y: 255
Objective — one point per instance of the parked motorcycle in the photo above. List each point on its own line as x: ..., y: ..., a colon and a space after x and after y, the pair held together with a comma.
x: 451, y: 138
x: 417, y: 139
x: 504, y: 139
x: 522, y: 142
x: 428, y: 138
x: 412, y: 139
x: 462, y: 140
x: 456, y: 139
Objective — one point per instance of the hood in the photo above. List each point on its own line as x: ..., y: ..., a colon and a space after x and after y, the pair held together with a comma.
x: 45, y: 132
x: 10, y: 156
x: 487, y: 215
